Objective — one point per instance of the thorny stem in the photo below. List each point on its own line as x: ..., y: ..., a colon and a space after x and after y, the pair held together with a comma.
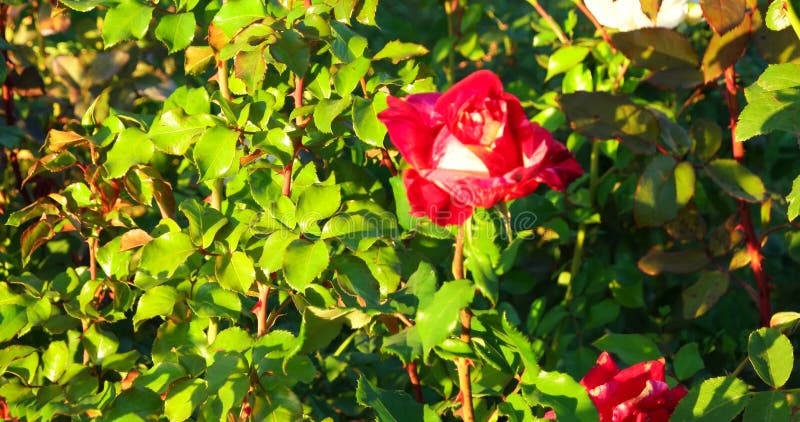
x: 297, y: 95
x: 462, y: 364
x: 261, y: 312
x: 549, y: 19
x: 751, y: 240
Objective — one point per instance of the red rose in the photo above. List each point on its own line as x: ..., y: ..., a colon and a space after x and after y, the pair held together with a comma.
x: 638, y: 393
x: 472, y: 147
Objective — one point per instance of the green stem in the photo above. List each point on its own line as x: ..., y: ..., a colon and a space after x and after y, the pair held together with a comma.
x: 450, y: 8
x: 577, y: 254
x: 792, y: 14
x: 740, y: 368
x: 550, y: 21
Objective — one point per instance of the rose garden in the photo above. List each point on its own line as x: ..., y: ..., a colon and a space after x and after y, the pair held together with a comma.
x: 337, y: 210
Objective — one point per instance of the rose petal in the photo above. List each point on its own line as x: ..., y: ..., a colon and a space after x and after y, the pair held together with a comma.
x: 413, y: 125
x: 603, y: 371
x: 427, y: 199
x: 479, y: 85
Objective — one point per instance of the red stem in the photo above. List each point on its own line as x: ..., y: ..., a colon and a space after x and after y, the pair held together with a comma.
x: 595, y: 22
x: 297, y: 95
x: 411, y: 368
x: 752, y: 241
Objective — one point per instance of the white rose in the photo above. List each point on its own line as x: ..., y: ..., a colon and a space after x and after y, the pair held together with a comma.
x: 627, y: 15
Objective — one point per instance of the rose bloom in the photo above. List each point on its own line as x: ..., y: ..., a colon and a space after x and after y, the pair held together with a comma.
x: 627, y: 15
x: 472, y: 146
x: 635, y: 394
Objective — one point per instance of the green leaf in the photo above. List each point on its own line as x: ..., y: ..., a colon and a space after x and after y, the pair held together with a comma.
x: 176, y: 31
x: 211, y: 300
x: 327, y: 110
x: 707, y: 137
x: 129, y: 19
x: 228, y: 377
x: 567, y: 397
x: 687, y: 361
x: 768, y: 406
x: 99, y: 343
x: 55, y: 360
x: 174, y: 131
x: 157, y: 301
x: 162, y: 256
x: 773, y: 103
x: 777, y: 19
x: 183, y: 397
x: 657, y: 261
x: 365, y: 120
x: 656, y: 48
x: 235, y: 272
x: 564, y: 59
x: 278, y: 405
x: 631, y: 348
x: 605, y: 116
x: 317, y: 202
x: 134, y: 404
x: 388, y: 405
x: 704, y: 294
x: 293, y: 51
x: 355, y: 278
x: 204, y: 222
x: 84, y: 5
x: 771, y: 354
x: 666, y: 186
x: 793, y: 198
x: 131, y: 147
x: 346, y: 78
x: 736, y: 180
x: 438, y: 318
x: 237, y: 14
x: 215, y: 153
x: 397, y: 51
x: 304, y: 261
x: 160, y: 376
x: 715, y: 400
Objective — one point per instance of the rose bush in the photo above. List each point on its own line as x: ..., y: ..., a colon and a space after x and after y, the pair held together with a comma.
x: 627, y: 15
x: 637, y: 393
x: 472, y: 146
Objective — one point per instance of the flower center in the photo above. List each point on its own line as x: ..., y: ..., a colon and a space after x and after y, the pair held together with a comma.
x: 481, y: 123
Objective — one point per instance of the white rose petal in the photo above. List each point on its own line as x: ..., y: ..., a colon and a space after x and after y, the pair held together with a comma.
x: 627, y: 15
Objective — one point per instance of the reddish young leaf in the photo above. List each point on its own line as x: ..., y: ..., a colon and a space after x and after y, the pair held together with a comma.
x: 723, y: 15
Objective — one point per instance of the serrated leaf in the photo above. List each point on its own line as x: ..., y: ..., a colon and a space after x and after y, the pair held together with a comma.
x: 773, y: 103
x: 768, y: 406
x: 100, y: 343
x: 157, y: 301
x: 237, y: 14
x: 55, y: 360
x: 771, y: 354
x: 564, y: 59
x: 736, y: 180
x: 723, y: 15
x: 129, y: 19
x: 365, y: 119
x: 174, y: 131
x: 666, y: 186
x: 183, y: 397
x: 235, y: 272
x: 605, y: 116
x: 725, y: 50
x: 293, y: 51
x: 631, y: 348
x: 438, y: 319
x: 657, y: 261
x: 687, y: 361
x: 715, y: 400
x: 569, y: 399
x: 704, y: 293
x: 162, y: 256
x: 397, y: 51
x: 204, y: 222
x: 388, y: 405
x: 215, y: 153
x: 176, y: 31
x: 131, y: 147
x: 211, y: 300
x: 327, y: 110
x: 304, y: 261
x: 346, y: 78
x: 317, y: 202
